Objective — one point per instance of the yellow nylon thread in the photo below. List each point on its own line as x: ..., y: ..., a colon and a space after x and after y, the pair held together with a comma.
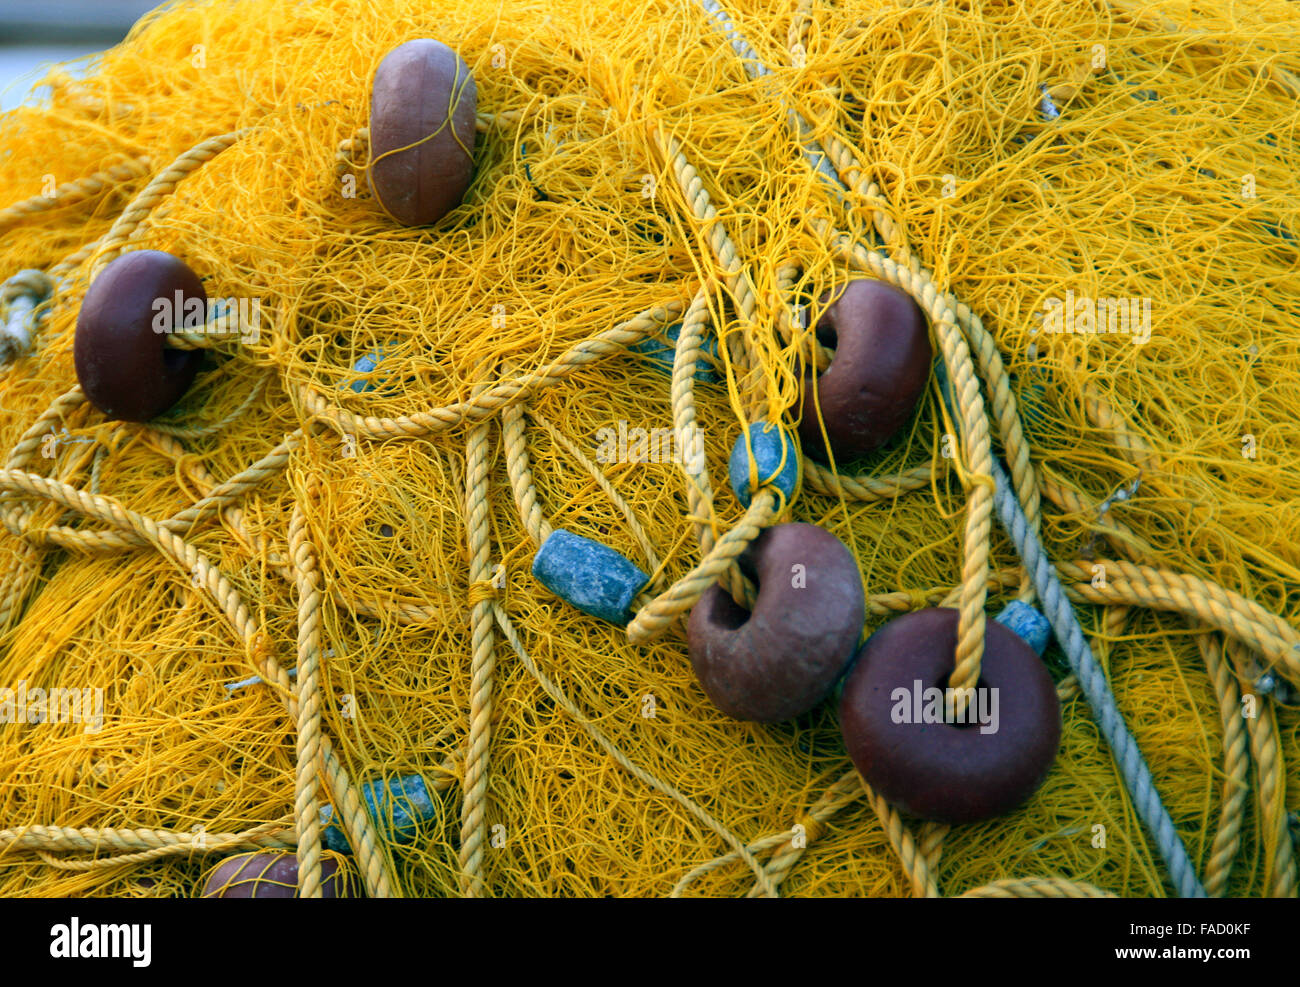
x: 580, y: 278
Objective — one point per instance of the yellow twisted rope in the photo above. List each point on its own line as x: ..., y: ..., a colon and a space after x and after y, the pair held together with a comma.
x: 477, y: 523
x: 716, y: 863
x: 163, y: 185
x: 819, y: 480
x: 277, y: 834
x: 734, y: 274
x: 599, y: 347
x: 699, y: 489
x: 1177, y: 592
x: 800, y: 27
x: 1037, y: 887
x: 915, y: 864
x: 1236, y: 767
x: 656, y: 616
x: 932, y: 836
x: 208, y: 843
x: 77, y: 190
x: 21, y: 575
x: 1266, y: 751
x: 1227, y: 838
x: 1117, y: 533
x: 17, y: 583
x: 307, y: 805
x: 521, y: 475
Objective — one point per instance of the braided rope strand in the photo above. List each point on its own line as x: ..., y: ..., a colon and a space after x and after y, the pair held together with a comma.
x: 307, y: 808
x: 474, y: 809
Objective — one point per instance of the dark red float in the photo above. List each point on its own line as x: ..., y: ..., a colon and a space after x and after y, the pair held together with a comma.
x: 121, y: 354
x: 953, y: 772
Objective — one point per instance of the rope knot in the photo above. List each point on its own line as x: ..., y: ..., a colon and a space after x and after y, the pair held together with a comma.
x: 482, y: 590
x: 20, y: 296
x: 36, y: 284
x: 813, y: 829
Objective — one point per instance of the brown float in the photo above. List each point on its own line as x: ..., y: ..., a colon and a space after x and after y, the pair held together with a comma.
x: 274, y: 874
x: 881, y: 365
x: 782, y: 659
x: 121, y: 354
x: 423, y: 102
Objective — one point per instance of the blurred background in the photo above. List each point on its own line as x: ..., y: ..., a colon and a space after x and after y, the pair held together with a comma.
x: 36, y: 33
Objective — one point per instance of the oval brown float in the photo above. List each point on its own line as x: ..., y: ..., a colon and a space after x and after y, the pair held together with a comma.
x: 423, y: 102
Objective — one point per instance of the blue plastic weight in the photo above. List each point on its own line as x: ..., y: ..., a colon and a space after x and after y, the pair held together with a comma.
x: 776, y: 456
x: 365, y: 365
x: 1027, y: 623
x: 661, y: 356
x: 591, y: 576
x: 397, y: 807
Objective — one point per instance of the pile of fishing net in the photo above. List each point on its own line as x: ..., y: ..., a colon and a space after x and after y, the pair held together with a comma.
x: 355, y: 491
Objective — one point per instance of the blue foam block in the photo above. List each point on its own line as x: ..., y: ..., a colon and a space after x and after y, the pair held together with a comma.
x: 405, y: 801
x: 365, y: 365
x: 1027, y: 623
x: 591, y: 576
x: 661, y: 356
x: 770, y: 443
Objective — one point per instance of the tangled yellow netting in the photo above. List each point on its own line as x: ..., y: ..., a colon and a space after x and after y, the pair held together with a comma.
x: 629, y: 174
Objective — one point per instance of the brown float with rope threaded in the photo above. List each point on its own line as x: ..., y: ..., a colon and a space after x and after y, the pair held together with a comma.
x: 875, y: 379
x: 915, y: 745
x: 782, y: 659
x: 121, y: 354
x: 423, y: 102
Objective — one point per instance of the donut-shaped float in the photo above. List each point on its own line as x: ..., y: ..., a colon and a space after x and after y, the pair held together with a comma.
x: 881, y: 364
x: 782, y: 659
x: 121, y: 354
x: 274, y: 874
x: 949, y: 771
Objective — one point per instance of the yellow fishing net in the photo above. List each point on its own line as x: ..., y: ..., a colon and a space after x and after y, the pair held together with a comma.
x: 630, y: 173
